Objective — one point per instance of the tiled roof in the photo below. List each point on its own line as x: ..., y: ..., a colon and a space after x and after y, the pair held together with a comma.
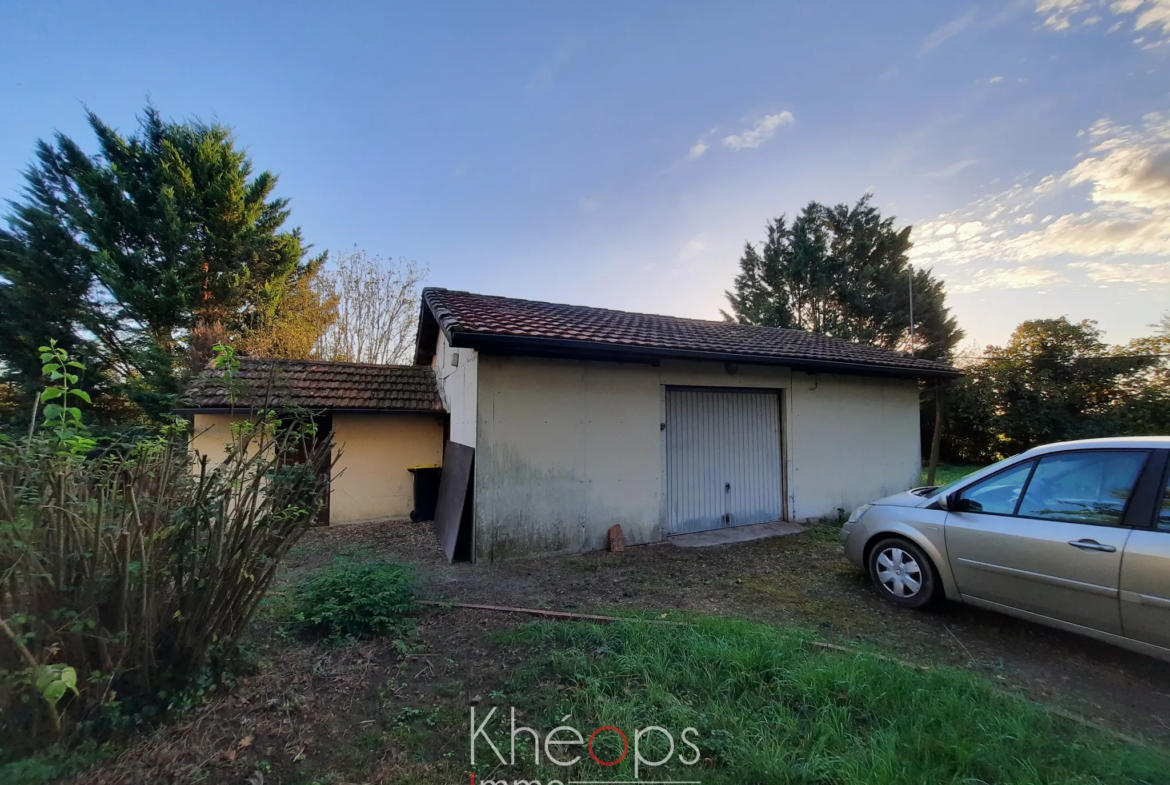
x: 321, y: 385
x: 476, y: 319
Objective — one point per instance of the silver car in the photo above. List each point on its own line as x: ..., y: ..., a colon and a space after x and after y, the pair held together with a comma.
x: 1075, y: 535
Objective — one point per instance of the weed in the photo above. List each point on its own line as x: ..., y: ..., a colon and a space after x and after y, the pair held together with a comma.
x: 356, y: 600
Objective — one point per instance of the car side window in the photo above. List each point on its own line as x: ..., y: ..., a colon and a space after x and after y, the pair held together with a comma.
x: 999, y: 493
x: 1083, y: 487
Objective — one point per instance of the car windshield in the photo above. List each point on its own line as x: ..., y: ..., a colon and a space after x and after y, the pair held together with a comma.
x: 950, y: 486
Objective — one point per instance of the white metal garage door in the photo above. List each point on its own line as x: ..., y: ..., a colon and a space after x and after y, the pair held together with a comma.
x: 723, y: 463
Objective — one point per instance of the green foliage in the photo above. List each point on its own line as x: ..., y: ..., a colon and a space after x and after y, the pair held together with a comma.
x: 53, y: 681
x: 356, y: 600
x: 946, y: 473
x: 771, y: 707
x: 130, y: 569
x: 228, y: 364
x: 124, y: 254
x: 51, y: 764
x: 61, y: 417
x: 843, y: 271
x: 1055, y: 380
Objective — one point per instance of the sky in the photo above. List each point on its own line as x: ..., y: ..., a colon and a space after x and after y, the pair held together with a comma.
x: 620, y: 154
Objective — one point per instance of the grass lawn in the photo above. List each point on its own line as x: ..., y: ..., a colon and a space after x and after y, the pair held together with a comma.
x: 946, y: 473
x: 772, y: 708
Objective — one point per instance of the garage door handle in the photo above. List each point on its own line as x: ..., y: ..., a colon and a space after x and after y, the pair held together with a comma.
x: 1092, y: 545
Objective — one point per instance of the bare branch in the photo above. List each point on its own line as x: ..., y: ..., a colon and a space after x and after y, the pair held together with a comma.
x: 377, y: 309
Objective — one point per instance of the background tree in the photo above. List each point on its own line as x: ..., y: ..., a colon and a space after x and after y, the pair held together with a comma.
x: 293, y: 323
x: 377, y: 309
x: 843, y: 271
x: 1055, y: 380
x: 126, y: 255
x: 1147, y: 391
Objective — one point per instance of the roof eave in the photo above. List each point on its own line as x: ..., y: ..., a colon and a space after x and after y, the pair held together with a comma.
x: 570, y: 349
x: 341, y: 409
x: 428, y: 332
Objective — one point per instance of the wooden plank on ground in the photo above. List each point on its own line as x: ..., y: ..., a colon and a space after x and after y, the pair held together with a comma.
x: 547, y: 614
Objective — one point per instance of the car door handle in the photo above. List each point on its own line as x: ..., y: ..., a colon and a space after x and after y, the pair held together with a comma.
x: 1092, y: 545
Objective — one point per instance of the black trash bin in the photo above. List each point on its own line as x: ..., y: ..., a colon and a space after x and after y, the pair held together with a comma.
x: 426, y: 491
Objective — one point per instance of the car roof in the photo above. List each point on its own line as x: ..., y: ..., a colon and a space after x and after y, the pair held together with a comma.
x: 1131, y: 442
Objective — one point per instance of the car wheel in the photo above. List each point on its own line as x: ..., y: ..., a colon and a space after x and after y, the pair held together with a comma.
x: 903, y: 573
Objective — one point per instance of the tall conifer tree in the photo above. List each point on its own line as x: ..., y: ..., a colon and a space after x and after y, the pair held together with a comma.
x: 124, y: 255
x: 843, y: 271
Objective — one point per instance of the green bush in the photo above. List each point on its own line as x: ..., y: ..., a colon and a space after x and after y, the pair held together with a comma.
x: 357, y: 600
x: 132, y: 568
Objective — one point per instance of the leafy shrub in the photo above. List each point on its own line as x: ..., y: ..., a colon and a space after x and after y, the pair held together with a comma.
x: 358, y: 600
x: 130, y: 568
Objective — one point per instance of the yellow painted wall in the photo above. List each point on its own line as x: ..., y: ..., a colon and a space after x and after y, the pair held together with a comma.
x: 370, y: 480
x: 211, y: 434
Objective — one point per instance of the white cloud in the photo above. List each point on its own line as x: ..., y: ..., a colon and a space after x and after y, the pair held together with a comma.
x: 693, y: 248
x: 995, y: 80
x: 967, y: 230
x: 953, y: 169
x: 697, y: 150
x: 1147, y: 15
x: 762, y: 131
x: 947, y: 31
x: 1021, y: 277
x: 1156, y: 273
x: 1119, y: 192
x: 1058, y: 11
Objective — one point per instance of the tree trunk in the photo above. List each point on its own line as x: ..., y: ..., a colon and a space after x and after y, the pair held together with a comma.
x: 936, y: 438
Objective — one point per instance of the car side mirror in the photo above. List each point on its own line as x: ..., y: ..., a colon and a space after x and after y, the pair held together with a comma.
x: 952, y: 502
x: 956, y: 503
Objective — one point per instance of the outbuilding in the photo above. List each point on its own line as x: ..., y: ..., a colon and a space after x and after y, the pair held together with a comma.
x: 582, y: 418
x: 384, y: 419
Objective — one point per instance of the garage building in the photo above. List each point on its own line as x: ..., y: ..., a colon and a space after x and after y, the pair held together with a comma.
x: 582, y: 418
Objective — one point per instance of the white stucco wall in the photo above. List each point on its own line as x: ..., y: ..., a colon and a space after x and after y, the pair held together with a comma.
x: 565, y: 449
x: 853, y: 439
x: 457, y: 387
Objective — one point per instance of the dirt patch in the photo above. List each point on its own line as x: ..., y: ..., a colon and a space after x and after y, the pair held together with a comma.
x: 374, y: 712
